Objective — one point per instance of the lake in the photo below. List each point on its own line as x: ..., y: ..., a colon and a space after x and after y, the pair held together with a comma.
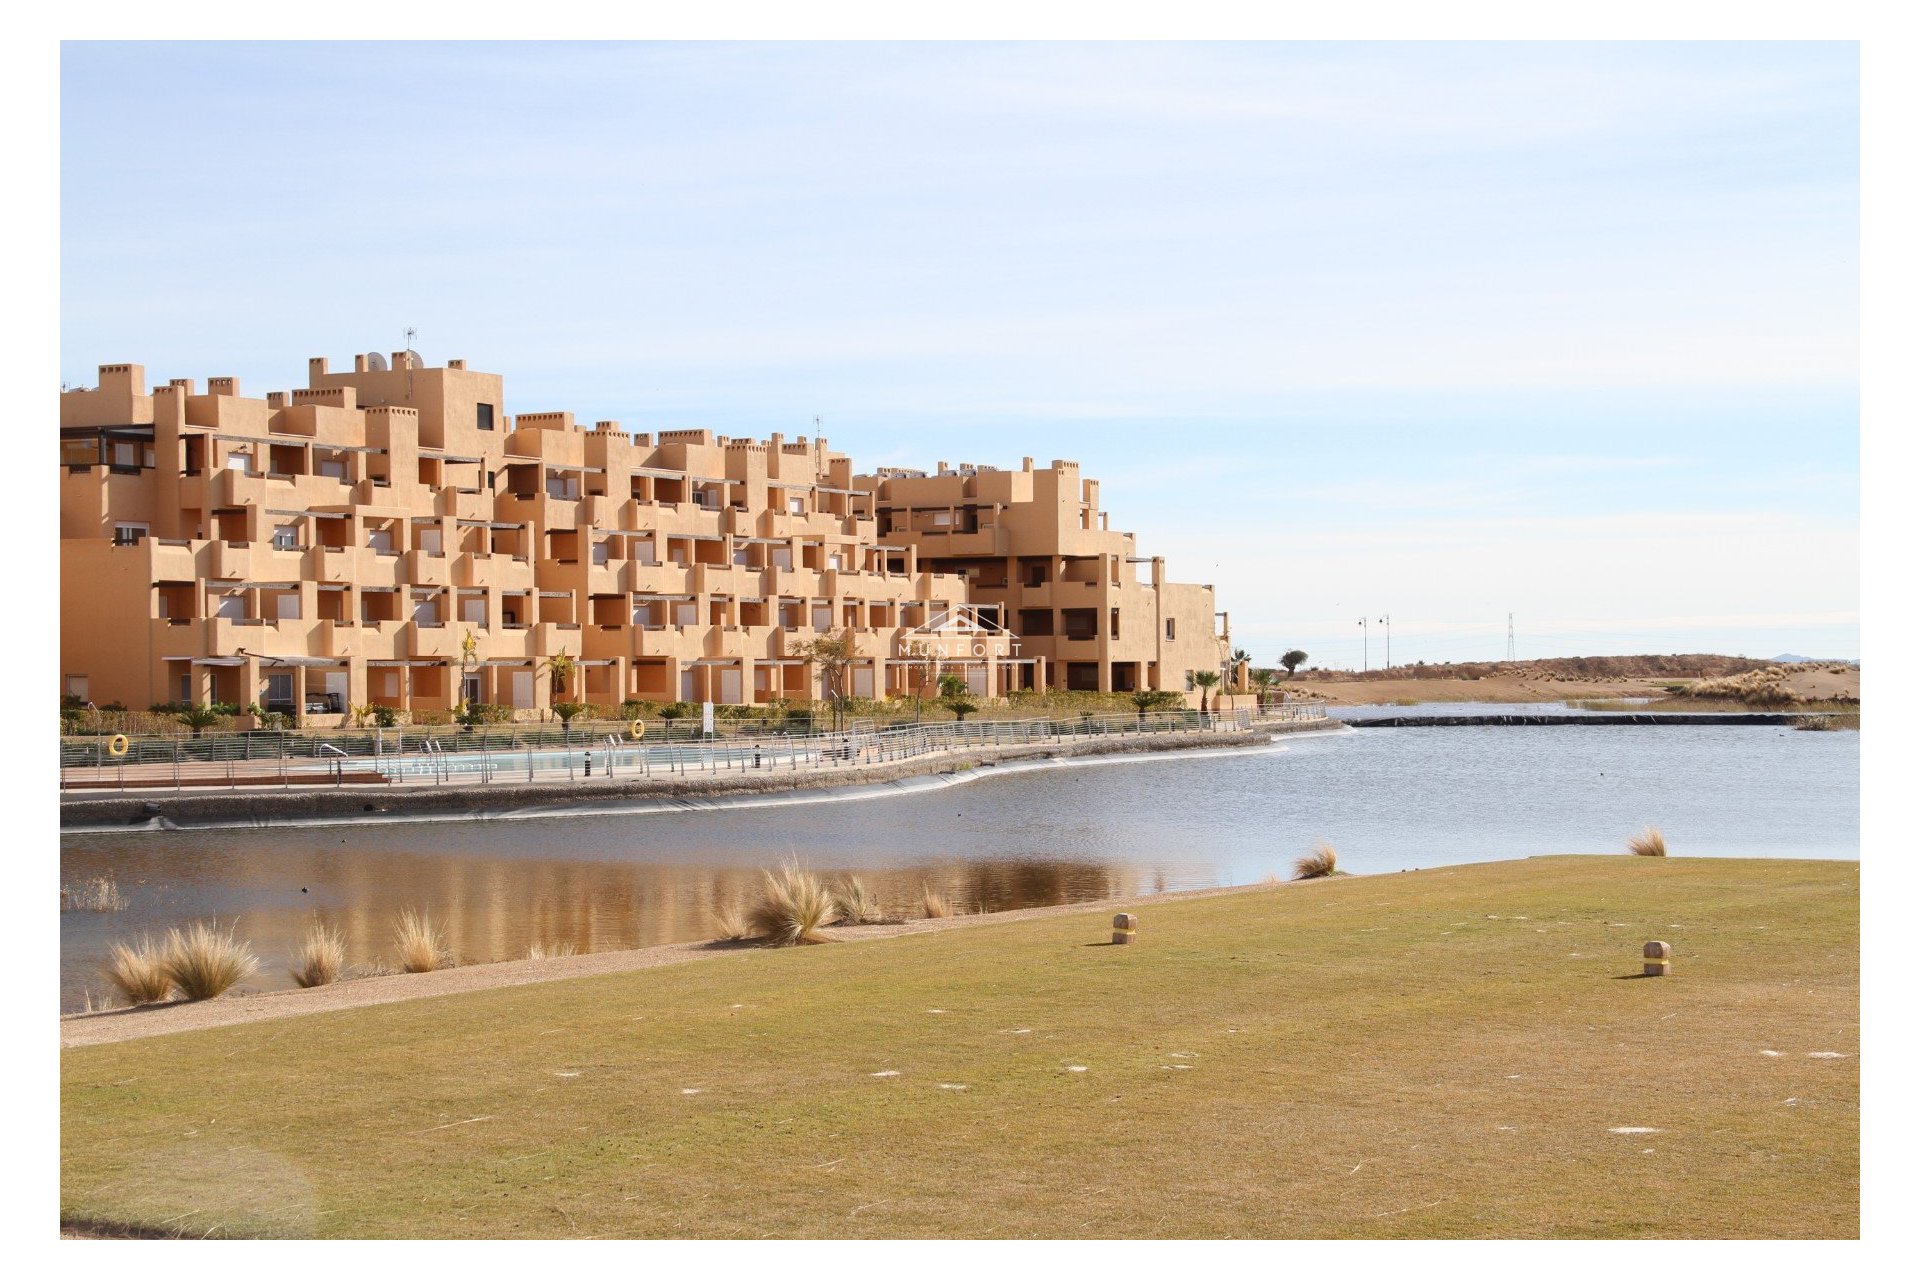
x: 1386, y: 799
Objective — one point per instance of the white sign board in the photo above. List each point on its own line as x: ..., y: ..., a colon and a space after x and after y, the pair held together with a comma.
x: 706, y: 717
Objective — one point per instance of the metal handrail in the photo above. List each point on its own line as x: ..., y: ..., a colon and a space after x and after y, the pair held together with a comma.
x: 476, y: 758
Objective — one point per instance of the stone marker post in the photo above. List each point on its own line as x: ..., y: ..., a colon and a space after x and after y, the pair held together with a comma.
x: 1659, y: 960
x: 1123, y: 927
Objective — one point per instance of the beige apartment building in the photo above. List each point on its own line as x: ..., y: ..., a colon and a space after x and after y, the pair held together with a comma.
x: 389, y: 536
x: 1038, y: 555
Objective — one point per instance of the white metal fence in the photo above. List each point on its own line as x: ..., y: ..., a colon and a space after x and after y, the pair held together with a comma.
x: 449, y: 756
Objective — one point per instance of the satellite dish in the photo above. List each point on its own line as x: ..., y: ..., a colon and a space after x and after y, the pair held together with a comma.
x: 376, y: 362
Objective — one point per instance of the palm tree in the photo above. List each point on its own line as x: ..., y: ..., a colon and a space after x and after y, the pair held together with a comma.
x: 956, y: 697
x: 1145, y: 700
x: 1206, y: 680
x: 1263, y: 682
x: 197, y: 717
x: 561, y: 667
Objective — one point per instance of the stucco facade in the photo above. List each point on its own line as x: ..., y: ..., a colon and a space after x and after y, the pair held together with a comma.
x: 1035, y: 545
x: 388, y: 536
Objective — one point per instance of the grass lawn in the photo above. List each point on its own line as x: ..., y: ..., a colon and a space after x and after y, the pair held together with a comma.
x: 1441, y: 1053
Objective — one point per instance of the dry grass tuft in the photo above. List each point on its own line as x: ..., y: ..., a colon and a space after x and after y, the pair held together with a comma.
x: 541, y: 951
x: 1766, y: 687
x: 1648, y: 844
x: 1321, y: 861
x: 203, y: 962
x: 934, y: 905
x: 421, y: 947
x: 320, y: 959
x: 97, y: 894
x: 793, y: 908
x: 730, y: 924
x: 855, y: 905
x: 137, y: 973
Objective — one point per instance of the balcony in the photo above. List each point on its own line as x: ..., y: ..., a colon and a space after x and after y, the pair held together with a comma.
x: 333, y: 564
x: 432, y: 640
x: 170, y: 561
x: 230, y: 488
x: 231, y: 560
x: 425, y: 568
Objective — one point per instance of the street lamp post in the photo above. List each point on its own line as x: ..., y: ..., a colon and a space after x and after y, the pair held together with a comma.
x: 1363, y: 647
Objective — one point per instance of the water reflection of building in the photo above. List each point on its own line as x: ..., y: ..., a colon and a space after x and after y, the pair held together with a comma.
x: 494, y: 907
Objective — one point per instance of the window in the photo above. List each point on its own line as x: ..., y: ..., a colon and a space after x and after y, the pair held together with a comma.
x: 483, y: 417
x: 125, y: 454
x: 796, y: 506
x: 77, y: 687
x: 380, y: 540
x: 240, y: 460
x: 128, y: 535
x: 286, y: 537
x: 1036, y: 622
x: 1170, y: 633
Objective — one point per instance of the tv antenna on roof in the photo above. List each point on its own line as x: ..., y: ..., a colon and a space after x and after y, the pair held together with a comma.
x: 413, y: 358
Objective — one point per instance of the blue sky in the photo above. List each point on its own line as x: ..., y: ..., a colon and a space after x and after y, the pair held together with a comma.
x: 1441, y: 331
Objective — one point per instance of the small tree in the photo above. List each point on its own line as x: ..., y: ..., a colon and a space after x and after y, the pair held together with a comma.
x: 198, y: 717
x: 1206, y: 680
x: 922, y: 661
x: 469, y: 658
x: 833, y: 655
x: 560, y: 667
x: 567, y: 711
x: 1291, y: 659
x: 956, y: 697
x: 1145, y: 700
